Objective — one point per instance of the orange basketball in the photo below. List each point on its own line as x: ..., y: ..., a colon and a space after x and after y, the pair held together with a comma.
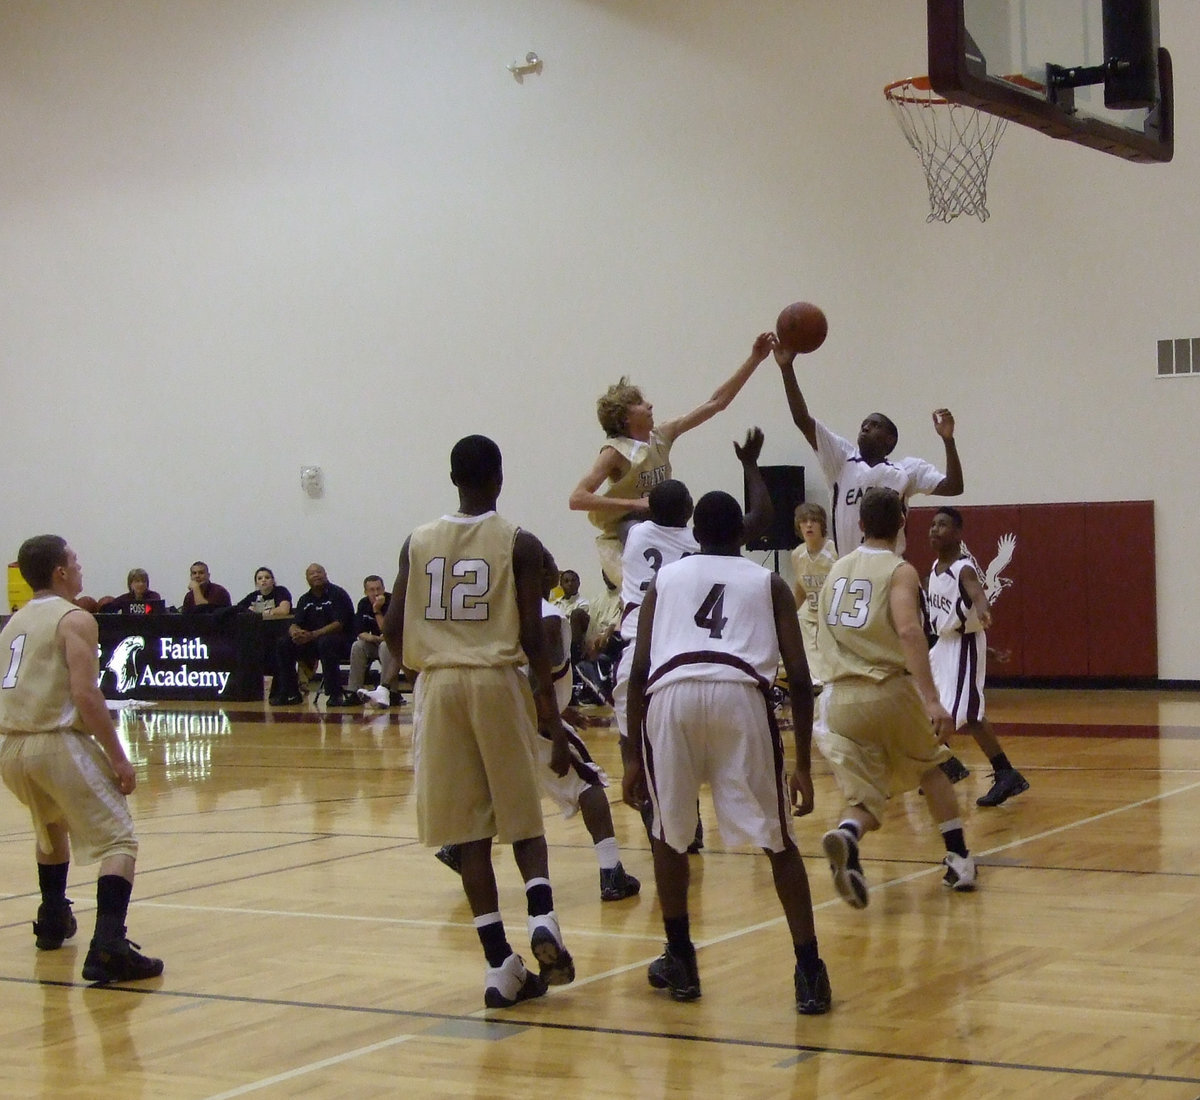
x: 801, y: 327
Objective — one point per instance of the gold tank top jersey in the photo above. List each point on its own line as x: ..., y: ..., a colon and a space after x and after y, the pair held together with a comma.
x: 460, y: 606
x: 855, y: 633
x: 649, y: 465
x: 811, y: 570
x: 35, y: 691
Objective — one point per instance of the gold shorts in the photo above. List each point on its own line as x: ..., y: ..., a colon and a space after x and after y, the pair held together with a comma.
x: 877, y: 738
x: 473, y: 731
x: 65, y: 779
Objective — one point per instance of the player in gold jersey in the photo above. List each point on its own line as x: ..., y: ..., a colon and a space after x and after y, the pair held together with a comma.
x: 466, y: 613
x: 884, y: 728
x: 62, y: 758
x: 636, y: 455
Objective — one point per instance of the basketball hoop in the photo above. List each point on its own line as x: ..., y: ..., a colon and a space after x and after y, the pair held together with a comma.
x: 955, y: 144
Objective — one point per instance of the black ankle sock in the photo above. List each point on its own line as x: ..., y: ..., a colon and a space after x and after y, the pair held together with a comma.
x: 807, y: 955
x: 1000, y: 762
x: 679, y: 936
x: 955, y: 842
x: 52, y: 881
x: 852, y: 827
x: 495, y: 944
x: 539, y: 899
x: 112, y: 906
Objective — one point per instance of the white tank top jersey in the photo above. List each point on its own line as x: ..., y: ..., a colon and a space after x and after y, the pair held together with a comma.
x: 560, y: 670
x: 648, y: 547
x: 713, y: 620
x: 950, y: 610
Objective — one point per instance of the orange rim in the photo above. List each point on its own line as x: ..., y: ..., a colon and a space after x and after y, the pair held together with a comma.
x: 915, y: 90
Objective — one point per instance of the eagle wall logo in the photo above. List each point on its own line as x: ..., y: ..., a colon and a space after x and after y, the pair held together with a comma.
x: 994, y: 582
x: 167, y: 665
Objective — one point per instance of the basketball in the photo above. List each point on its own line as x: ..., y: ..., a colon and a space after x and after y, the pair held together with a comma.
x: 801, y: 327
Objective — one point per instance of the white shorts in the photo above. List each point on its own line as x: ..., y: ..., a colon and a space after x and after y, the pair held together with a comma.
x: 721, y: 732
x: 959, y: 666
x: 620, y: 693
x: 584, y: 773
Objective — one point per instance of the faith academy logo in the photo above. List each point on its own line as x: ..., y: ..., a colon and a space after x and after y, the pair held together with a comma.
x: 170, y: 663
x: 123, y: 663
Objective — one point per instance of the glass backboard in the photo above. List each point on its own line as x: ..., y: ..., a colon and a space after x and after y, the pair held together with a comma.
x: 1089, y: 71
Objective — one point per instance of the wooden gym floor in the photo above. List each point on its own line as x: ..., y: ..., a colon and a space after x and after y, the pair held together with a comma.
x: 313, y: 948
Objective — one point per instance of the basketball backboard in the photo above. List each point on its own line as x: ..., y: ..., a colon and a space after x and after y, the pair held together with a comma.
x: 1088, y: 71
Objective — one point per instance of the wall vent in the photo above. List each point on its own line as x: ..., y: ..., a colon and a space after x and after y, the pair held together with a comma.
x: 1179, y: 357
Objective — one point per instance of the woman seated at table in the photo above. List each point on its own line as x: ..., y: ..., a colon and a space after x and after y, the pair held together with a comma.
x: 140, y: 592
x: 270, y: 600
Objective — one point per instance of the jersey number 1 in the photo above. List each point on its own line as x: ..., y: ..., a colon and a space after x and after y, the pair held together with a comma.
x: 10, y: 677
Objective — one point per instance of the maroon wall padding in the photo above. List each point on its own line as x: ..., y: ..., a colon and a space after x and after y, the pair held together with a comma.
x: 1122, y: 624
x: 1081, y: 597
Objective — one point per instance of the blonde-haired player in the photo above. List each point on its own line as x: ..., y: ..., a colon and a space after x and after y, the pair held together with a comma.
x: 636, y: 455
x: 811, y: 562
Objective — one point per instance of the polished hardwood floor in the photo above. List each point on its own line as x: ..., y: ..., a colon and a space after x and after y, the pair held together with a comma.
x: 314, y: 948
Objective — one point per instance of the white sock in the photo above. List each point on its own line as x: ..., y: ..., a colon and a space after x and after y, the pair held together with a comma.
x: 608, y: 852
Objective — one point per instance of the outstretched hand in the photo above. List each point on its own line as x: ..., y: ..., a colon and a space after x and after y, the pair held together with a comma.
x: 764, y: 344
x: 749, y: 451
x: 943, y: 423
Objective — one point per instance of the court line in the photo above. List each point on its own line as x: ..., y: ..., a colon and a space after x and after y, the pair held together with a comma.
x: 406, y: 921
x: 312, y: 1067
x: 518, y: 1024
x: 732, y: 935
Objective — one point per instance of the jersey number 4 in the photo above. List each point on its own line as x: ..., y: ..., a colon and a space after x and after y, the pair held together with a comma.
x: 467, y: 594
x: 850, y: 604
x: 710, y: 615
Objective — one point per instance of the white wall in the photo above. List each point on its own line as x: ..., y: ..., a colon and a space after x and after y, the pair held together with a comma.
x: 240, y: 236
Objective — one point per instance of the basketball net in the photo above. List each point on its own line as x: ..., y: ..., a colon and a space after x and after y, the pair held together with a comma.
x: 955, y: 144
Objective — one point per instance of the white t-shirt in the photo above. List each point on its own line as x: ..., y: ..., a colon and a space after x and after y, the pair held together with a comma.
x: 849, y: 476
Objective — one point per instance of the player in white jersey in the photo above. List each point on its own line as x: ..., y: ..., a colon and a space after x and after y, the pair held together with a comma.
x: 850, y: 470
x: 959, y: 615
x: 582, y: 787
x: 61, y: 756
x: 636, y: 455
x: 713, y: 629
x: 663, y: 538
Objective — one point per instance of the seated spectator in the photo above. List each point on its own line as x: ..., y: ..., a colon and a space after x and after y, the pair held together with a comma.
x: 139, y: 591
x: 270, y: 600
x: 575, y: 608
x: 602, y: 645
x: 369, y: 646
x: 203, y: 594
x: 322, y: 632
